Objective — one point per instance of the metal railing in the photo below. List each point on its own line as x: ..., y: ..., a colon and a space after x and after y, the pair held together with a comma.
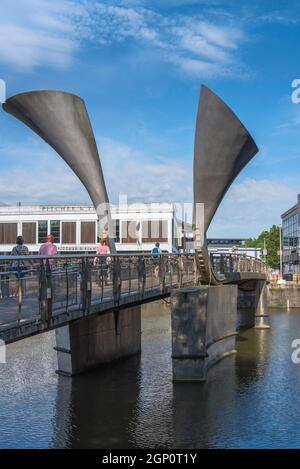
x: 51, y: 290
x: 45, y: 288
x: 227, y: 264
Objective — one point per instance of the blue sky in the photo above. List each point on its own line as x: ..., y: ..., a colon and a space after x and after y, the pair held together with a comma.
x: 139, y: 66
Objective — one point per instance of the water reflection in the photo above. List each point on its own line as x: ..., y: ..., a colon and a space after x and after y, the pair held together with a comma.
x: 249, y: 400
x: 28, y: 390
x: 100, y: 408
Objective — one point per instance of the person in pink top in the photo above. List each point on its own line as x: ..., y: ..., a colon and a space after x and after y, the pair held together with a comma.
x: 49, y: 249
x: 103, y: 249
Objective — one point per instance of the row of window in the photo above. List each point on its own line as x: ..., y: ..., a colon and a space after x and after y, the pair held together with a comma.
x: 290, y: 227
x: 290, y: 242
x: 65, y: 232
x: 231, y: 242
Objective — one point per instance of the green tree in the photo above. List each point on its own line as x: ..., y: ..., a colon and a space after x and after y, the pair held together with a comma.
x: 271, y: 239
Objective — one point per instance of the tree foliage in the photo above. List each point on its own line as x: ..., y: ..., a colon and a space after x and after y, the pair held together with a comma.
x: 271, y: 239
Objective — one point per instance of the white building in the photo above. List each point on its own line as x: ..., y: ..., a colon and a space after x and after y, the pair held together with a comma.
x: 228, y: 245
x: 136, y: 227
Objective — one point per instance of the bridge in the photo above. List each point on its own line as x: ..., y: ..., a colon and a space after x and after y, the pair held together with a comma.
x: 64, y: 288
x: 93, y: 302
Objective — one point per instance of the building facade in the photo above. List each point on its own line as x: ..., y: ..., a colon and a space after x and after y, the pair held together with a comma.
x: 290, y: 239
x: 227, y: 245
x: 75, y: 227
x: 136, y: 228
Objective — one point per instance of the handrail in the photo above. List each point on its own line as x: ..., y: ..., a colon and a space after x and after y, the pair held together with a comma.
x: 121, y: 255
x: 84, y: 256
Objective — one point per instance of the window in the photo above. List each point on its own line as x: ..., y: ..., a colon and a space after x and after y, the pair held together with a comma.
x: 42, y: 231
x: 290, y: 231
x: 29, y: 232
x: 154, y: 230
x: 116, y: 230
x: 55, y: 230
x: 88, y: 230
x: 68, y: 232
x: 129, y: 231
x: 8, y: 233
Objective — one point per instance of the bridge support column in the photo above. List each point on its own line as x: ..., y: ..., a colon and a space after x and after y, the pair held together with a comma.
x: 261, y: 306
x: 98, y: 340
x: 203, y: 329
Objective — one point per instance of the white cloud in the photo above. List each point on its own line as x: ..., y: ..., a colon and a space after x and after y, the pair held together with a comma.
x: 144, y: 177
x: 46, y: 178
x: 195, y: 67
x: 43, y: 33
x: 25, y: 48
x: 252, y: 206
x: 38, y: 32
x: 196, y: 47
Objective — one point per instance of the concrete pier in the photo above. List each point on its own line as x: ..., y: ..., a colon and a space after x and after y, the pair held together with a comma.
x: 98, y: 340
x: 203, y: 329
x: 261, y: 306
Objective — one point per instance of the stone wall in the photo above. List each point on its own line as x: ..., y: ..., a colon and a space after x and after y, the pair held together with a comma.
x: 283, y: 296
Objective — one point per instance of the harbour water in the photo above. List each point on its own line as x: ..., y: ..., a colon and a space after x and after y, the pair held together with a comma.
x: 250, y: 400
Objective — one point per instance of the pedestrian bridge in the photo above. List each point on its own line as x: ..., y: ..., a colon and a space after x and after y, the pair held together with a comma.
x: 58, y: 290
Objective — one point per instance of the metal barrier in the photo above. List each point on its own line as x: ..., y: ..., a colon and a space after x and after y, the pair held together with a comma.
x: 229, y: 263
x: 41, y: 288
x: 51, y: 290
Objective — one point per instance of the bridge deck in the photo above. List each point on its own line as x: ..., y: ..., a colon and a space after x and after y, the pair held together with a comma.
x: 238, y: 277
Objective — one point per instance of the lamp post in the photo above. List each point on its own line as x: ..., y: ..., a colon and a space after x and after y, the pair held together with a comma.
x: 280, y: 252
x: 265, y: 252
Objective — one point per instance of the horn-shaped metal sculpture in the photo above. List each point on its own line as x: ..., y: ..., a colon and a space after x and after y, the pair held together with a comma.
x: 61, y: 119
x: 223, y: 146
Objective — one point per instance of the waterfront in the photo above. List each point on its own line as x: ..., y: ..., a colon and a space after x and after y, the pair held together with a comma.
x: 249, y: 401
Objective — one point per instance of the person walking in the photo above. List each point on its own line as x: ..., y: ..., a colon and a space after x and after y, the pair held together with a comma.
x: 20, y: 267
x: 104, y: 250
x: 49, y: 249
x: 20, y: 249
x: 156, y: 251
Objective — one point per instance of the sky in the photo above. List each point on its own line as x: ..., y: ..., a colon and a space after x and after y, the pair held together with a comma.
x: 139, y: 65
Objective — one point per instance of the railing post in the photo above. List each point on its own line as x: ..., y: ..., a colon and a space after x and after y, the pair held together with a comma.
x: 195, y: 270
x: 222, y: 266
x: 83, y: 286
x: 42, y: 291
x: 141, y: 275
x: 230, y: 264
x: 162, y: 273
x: 45, y: 292
x: 49, y: 291
x: 116, y: 280
x: 129, y: 274
x: 180, y: 271
x: 20, y: 293
x: 86, y: 285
